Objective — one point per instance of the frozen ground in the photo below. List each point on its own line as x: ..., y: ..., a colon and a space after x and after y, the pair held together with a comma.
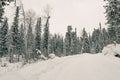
x: 78, y: 67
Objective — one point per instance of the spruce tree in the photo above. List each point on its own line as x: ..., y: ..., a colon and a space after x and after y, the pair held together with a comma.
x: 105, y: 37
x: 15, y: 33
x: 113, y: 18
x: 57, y: 43
x: 85, y: 42
x: 1, y: 11
x: 64, y: 48
x: 30, y: 43
x: 22, y: 40
x: 38, y: 34
x: 3, y: 38
x: 14, y: 37
x: 74, y: 42
x: 118, y: 39
x: 68, y: 39
x: 101, y: 41
x: 96, y: 40
x: 112, y: 34
x: 79, y: 45
x: 51, y: 44
x: 46, y: 38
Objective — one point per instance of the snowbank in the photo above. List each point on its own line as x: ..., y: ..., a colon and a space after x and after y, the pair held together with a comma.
x: 111, y: 49
x: 51, y: 56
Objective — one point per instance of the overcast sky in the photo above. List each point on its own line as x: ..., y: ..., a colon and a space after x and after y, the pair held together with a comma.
x: 78, y: 13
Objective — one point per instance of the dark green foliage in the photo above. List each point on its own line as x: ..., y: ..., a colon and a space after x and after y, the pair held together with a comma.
x: 100, y: 39
x: 38, y: 34
x: 56, y: 45
x: 112, y: 34
x: 118, y: 39
x: 105, y: 36
x: 30, y: 42
x: 113, y: 19
x: 13, y: 38
x: 97, y: 39
x: 112, y: 12
x: 85, y: 42
x: 15, y: 33
x: 46, y: 37
x: 79, y: 45
x: 22, y: 40
x: 68, y: 39
x: 3, y: 38
x: 1, y: 12
x: 74, y: 45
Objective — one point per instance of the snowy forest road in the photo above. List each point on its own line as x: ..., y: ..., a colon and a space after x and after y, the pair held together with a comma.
x: 78, y: 67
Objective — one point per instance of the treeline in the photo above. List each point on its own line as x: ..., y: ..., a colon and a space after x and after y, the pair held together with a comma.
x: 22, y: 40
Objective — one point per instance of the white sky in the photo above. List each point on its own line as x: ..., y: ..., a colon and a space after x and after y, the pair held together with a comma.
x: 78, y: 13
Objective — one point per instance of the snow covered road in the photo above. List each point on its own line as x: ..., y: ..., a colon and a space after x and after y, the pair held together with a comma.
x: 78, y: 67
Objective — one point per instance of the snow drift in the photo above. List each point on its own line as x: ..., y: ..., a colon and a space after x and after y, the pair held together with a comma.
x: 111, y: 49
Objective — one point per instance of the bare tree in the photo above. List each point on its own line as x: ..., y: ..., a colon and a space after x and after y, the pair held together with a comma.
x: 30, y: 17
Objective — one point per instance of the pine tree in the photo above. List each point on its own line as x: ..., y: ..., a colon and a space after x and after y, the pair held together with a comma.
x: 105, y: 37
x: 74, y: 42
x: 57, y: 43
x: 15, y: 30
x: 14, y: 37
x: 118, y: 39
x: 92, y: 45
x: 51, y: 44
x: 101, y: 41
x: 85, y: 42
x: 3, y: 38
x: 98, y: 38
x: 64, y: 48
x: 46, y: 38
x: 112, y: 34
x: 68, y: 38
x: 1, y: 11
x: 38, y: 34
x: 95, y: 40
x: 79, y: 45
x: 113, y: 18
x: 30, y: 43
x: 22, y: 40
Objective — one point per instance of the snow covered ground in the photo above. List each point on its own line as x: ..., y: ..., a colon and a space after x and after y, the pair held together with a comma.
x: 10, y: 67
x: 78, y: 67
